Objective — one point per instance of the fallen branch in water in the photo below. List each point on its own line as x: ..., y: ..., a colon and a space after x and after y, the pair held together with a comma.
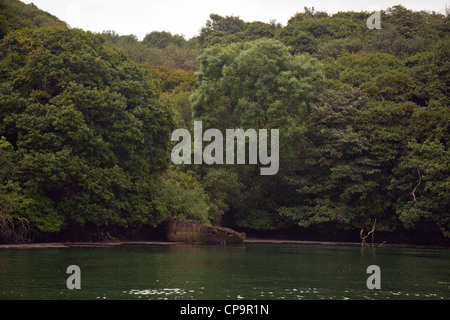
x: 382, y: 244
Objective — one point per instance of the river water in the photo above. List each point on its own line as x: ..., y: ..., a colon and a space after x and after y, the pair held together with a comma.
x: 252, y: 271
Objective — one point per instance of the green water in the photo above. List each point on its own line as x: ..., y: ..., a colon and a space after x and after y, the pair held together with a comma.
x: 248, y: 272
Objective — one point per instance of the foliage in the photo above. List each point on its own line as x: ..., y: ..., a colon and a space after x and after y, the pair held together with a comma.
x: 162, y: 39
x: 175, y: 55
x: 181, y: 196
x: 15, y: 15
x: 257, y: 85
x: 365, y: 135
x: 404, y: 32
x: 87, y: 129
x: 334, y: 177
x: 85, y: 122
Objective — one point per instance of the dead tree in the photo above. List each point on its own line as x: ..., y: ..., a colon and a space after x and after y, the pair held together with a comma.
x: 12, y: 233
x: 364, y: 237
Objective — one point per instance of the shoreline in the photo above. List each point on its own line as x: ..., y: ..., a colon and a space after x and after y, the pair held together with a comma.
x: 348, y: 244
x: 67, y: 245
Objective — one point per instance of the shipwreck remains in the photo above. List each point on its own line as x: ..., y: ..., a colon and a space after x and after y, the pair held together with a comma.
x: 182, y: 231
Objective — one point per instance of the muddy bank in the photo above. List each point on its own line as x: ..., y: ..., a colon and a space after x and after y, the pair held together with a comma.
x: 331, y: 235
x: 353, y: 244
x: 114, y: 236
x: 68, y: 245
x: 83, y: 245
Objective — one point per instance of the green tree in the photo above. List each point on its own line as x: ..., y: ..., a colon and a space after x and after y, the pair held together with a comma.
x: 258, y: 85
x: 422, y: 177
x: 404, y: 32
x: 333, y: 175
x: 87, y: 128
x: 162, y: 39
x: 219, y: 27
x: 257, y: 30
x: 181, y: 196
x: 15, y: 15
x: 228, y: 24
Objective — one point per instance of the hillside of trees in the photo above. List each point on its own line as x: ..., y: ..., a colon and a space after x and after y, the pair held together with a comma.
x: 86, y: 120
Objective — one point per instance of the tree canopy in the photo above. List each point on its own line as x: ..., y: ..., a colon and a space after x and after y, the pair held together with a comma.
x: 86, y: 120
x: 85, y: 127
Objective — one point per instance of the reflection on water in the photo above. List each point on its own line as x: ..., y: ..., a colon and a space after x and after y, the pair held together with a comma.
x: 242, y: 272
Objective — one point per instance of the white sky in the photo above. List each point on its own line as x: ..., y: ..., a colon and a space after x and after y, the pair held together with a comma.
x: 186, y: 17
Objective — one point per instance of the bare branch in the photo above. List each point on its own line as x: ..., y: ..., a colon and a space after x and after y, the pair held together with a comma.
x: 371, y: 232
x: 445, y: 233
x: 415, y: 189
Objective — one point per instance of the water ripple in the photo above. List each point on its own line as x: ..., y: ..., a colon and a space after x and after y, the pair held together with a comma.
x: 158, y: 292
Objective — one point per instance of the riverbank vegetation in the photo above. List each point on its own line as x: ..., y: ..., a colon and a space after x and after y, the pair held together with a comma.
x: 85, y: 124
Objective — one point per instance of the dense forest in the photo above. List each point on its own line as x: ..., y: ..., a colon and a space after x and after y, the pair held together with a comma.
x: 86, y: 120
